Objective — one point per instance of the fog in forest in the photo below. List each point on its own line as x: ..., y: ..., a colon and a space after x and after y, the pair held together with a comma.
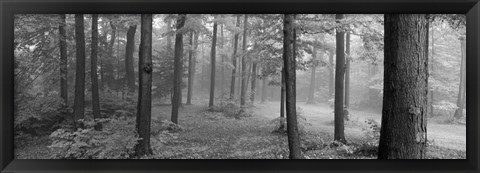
x: 227, y: 86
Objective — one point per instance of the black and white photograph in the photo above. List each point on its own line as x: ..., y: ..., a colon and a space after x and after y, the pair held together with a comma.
x: 240, y: 86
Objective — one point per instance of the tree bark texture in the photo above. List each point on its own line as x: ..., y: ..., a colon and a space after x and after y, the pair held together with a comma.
x: 290, y: 82
x: 63, y: 59
x: 178, y: 68
x: 79, y: 102
x: 339, y: 134
x: 144, y: 105
x: 234, y: 61
x: 403, y: 133
x: 130, y: 48
x: 212, y: 62
x: 94, y: 76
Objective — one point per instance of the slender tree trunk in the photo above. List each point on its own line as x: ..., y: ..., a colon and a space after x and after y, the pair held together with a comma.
x: 311, y: 90
x: 282, y: 100
x: 130, y: 48
x: 144, y: 105
x: 178, y: 69
x: 289, y: 64
x: 169, y: 36
x: 94, y: 76
x: 432, y: 71
x: 254, y: 82
x: 459, y: 111
x: 63, y: 59
x: 331, y: 84
x: 212, y: 61
x: 347, y: 73
x: 234, y: 61
x: 79, y: 102
x: 243, y: 88
x: 264, y: 88
x: 222, y: 76
x: 339, y: 134
x: 190, y: 70
x: 109, y: 76
x: 403, y: 133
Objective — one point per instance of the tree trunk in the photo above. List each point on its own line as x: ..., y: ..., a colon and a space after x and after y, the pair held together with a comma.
x: 289, y: 64
x: 311, y: 89
x: 331, y: 66
x: 222, y: 66
x: 460, y: 104
x: 94, y: 76
x: 234, y: 61
x: 212, y: 62
x: 79, y: 102
x: 144, y: 105
x: 178, y: 69
x: 243, y: 89
x: 430, y: 104
x: 130, y: 48
x: 109, y: 76
x: 339, y: 134
x: 63, y: 59
x: 169, y: 36
x: 264, y: 88
x: 190, y: 70
x: 403, y: 133
x: 347, y: 72
x: 254, y: 82
x: 282, y: 100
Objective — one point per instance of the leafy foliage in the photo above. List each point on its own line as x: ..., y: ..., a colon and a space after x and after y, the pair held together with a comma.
x: 116, y: 141
x: 38, y: 114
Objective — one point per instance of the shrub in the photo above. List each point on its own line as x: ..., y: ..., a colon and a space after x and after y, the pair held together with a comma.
x: 231, y: 110
x: 37, y: 115
x: 302, y: 123
x: 444, y: 108
x: 116, y: 141
x: 112, y: 104
x: 370, y: 146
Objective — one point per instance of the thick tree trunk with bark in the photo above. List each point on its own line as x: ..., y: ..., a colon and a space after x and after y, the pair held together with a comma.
x: 63, y: 59
x: 290, y: 82
x: 234, y: 61
x: 243, y: 88
x: 461, y: 87
x: 403, y: 133
x: 94, y: 76
x: 129, y: 49
x: 347, y: 72
x: 311, y: 89
x: 79, y: 102
x: 339, y: 134
x: 144, y: 105
x: 178, y: 69
x: 212, y: 62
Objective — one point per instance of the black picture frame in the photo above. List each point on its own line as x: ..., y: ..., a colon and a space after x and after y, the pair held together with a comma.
x: 10, y: 7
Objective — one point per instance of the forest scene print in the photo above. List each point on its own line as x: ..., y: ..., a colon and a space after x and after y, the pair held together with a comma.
x: 240, y: 86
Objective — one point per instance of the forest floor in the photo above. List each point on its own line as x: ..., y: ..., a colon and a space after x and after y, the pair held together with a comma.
x: 212, y: 135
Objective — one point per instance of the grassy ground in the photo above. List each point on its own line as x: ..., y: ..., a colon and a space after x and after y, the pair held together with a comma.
x: 211, y: 135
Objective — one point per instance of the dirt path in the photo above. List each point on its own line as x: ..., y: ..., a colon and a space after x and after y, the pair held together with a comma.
x: 321, y: 117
